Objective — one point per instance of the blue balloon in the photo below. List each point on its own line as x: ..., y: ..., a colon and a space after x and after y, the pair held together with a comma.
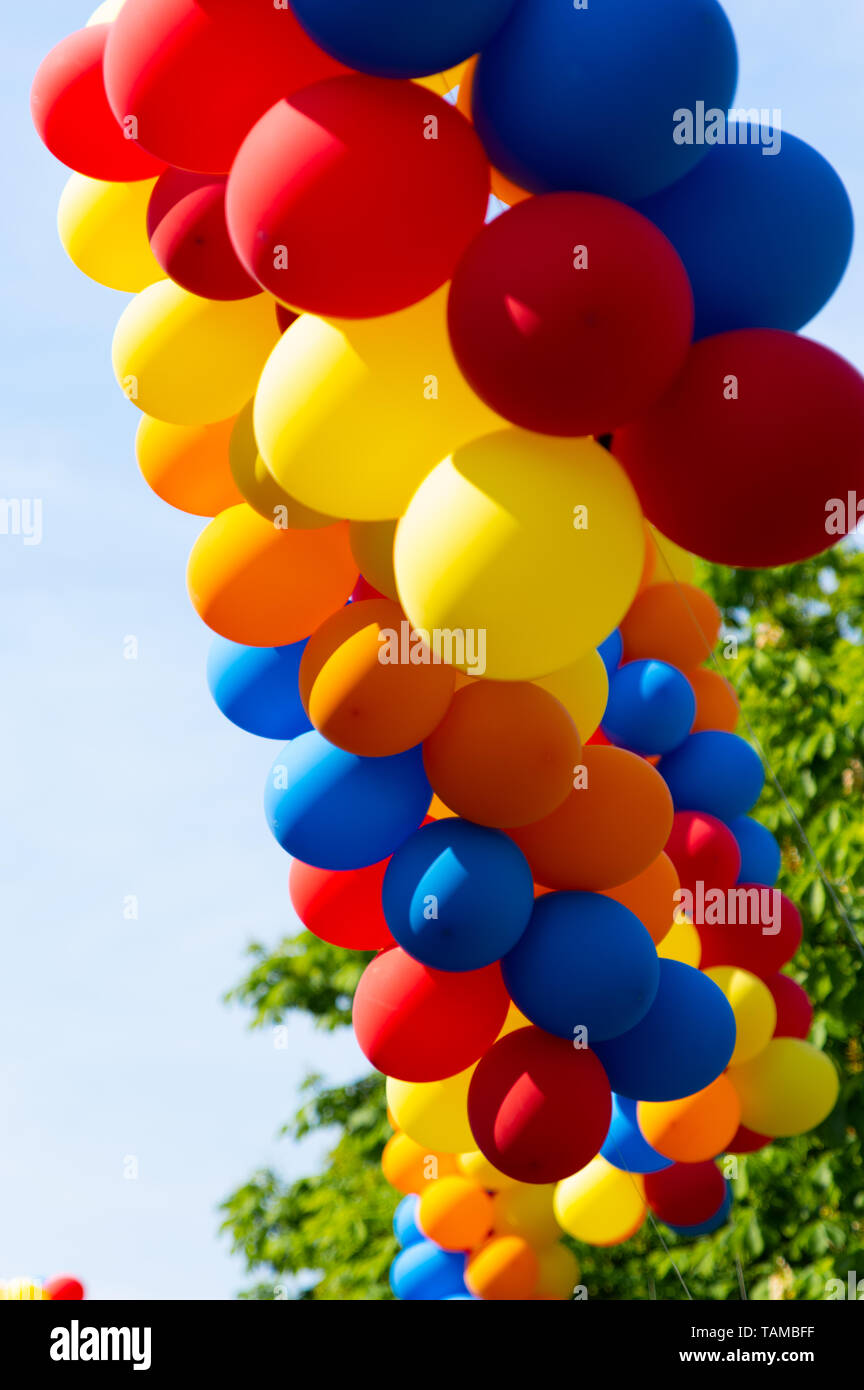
x: 336, y: 810
x: 741, y: 200
x: 586, y: 100
x: 611, y: 652
x: 461, y: 1298
x: 625, y: 1145
x: 705, y: 1228
x: 651, y: 708
x: 714, y: 772
x: 760, y: 852
x: 405, y: 1227
x: 457, y: 896
x: 395, y: 38
x: 256, y: 687
x: 426, y: 1272
x: 681, y: 1045
x: 584, y: 961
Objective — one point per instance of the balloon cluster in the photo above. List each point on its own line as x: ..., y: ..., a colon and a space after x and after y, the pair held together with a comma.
x: 435, y: 436
x: 62, y: 1288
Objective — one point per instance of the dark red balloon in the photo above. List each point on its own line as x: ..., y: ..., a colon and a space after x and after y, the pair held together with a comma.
x: 570, y: 314
x: 419, y: 1024
x: 538, y: 1107
x: 747, y: 1141
x: 794, y: 1010
x: 285, y: 317
x: 704, y: 850
x: 72, y: 117
x: 340, y: 204
x: 341, y: 906
x: 687, y: 1193
x: 724, y: 463
x: 64, y: 1288
x: 189, y: 237
x: 753, y: 944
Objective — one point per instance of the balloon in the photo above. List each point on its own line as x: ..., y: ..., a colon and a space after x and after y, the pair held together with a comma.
x: 590, y: 102
x: 559, y: 1272
x: 405, y: 1227
x: 584, y: 962
x: 651, y: 708
x: 64, y: 1288
x: 526, y: 1210
x: 754, y: 1009
x: 779, y: 398
x: 409, y: 1167
x: 504, y: 1269
x: 787, y: 1089
x: 682, y: 943
x: 425, y: 1272
x: 407, y: 164
x: 672, y: 565
x: 382, y: 400
x: 651, y: 896
x: 266, y: 587
x: 736, y: 202
x: 476, y: 1165
x: 197, y: 74
x: 188, y: 465
x: 626, y: 1147
x: 391, y: 40
x: 372, y: 548
x: 695, y: 1127
x: 582, y: 689
x: 671, y: 622
x: 563, y: 279
x: 687, y: 1193
x: 746, y: 1142
x: 611, y: 651
x: 456, y: 1213
x: 717, y: 704
x: 337, y: 811
x: 539, y: 1108
x: 434, y: 1112
x: 343, y: 908
x: 706, y: 1228
x: 601, y: 1205
x: 257, y: 485
x: 463, y: 755
x: 760, y: 852
x: 189, y: 236
x: 684, y: 1041
x: 73, y: 119
x: 106, y: 12
x: 508, y: 498
x: 703, y: 850
x: 794, y: 1010
x: 762, y: 930
x: 714, y: 772
x: 103, y: 228
x: 418, y: 1024
x: 187, y: 360
x: 613, y: 824
x: 457, y: 896
x: 370, y: 684
x: 256, y: 687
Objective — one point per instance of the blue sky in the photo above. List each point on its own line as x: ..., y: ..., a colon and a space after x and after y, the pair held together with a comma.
x: 121, y: 778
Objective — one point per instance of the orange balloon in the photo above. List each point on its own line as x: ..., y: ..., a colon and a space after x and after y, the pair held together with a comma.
x: 505, y: 1268
x: 651, y: 896
x: 502, y: 187
x: 504, y: 754
x: 456, y: 1213
x: 613, y: 824
x: 696, y: 1128
x: 409, y: 1167
x: 254, y: 583
x: 369, y: 684
x: 677, y: 623
x: 717, y: 704
x: 188, y: 466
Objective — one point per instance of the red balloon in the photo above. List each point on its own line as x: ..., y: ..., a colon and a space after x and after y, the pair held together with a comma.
x: 747, y: 1141
x: 760, y: 944
x: 64, y: 1288
x: 72, y: 117
x: 357, y: 148
x: 197, y: 74
x: 189, y: 237
x: 570, y: 314
x: 723, y: 464
x: 704, y: 850
x: 419, y: 1024
x: 794, y: 1010
x: 341, y: 906
x: 687, y: 1193
x: 285, y: 317
x: 538, y: 1107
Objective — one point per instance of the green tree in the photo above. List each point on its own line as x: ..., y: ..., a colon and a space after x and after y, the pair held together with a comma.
x: 792, y: 648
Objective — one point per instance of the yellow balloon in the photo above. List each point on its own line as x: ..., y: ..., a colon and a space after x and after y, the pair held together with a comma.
x: 106, y: 13
x: 583, y: 690
x: 350, y: 416
x: 753, y: 1006
x: 434, y: 1113
x: 788, y: 1088
x: 527, y: 1210
x: 681, y: 942
x: 476, y: 1165
x: 515, y: 1019
x: 671, y: 563
x: 559, y: 1272
x: 443, y: 82
x: 103, y: 229
x: 258, y: 486
x: 23, y: 1290
x: 192, y: 361
x: 372, y: 548
x: 528, y: 544
x: 601, y: 1205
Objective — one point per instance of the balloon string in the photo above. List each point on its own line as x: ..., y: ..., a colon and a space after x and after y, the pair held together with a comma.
x: 658, y: 1233
x: 742, y: 1286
